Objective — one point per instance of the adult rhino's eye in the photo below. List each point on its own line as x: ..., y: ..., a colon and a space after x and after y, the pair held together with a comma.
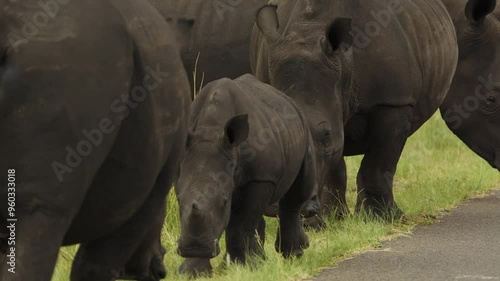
x: 490, y: 100
x: 490, y: 104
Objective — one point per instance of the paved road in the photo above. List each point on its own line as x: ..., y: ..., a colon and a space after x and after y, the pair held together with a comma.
x: 463, y: 246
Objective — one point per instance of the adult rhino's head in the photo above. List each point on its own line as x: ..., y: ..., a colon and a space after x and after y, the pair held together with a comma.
x: 308, y: 59
x: 205, y: 187
x: 472, y: 107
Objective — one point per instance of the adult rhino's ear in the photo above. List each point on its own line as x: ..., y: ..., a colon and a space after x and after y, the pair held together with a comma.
x: 339, y: 36
x: 267, y: 22
x: 236, y: 130
x: 477, y: 10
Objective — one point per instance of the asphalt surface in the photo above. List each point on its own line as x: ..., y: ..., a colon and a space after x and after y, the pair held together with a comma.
x: 464, y: 245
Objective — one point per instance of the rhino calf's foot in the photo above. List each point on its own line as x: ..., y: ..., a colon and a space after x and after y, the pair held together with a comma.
x: 196, y: 267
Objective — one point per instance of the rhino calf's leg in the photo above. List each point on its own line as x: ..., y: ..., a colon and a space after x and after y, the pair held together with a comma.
x: 245, y: 231
x: 291, y: 238
x: 391, y: 127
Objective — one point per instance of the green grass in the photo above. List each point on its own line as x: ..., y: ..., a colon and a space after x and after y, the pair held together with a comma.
x: 436, y: 173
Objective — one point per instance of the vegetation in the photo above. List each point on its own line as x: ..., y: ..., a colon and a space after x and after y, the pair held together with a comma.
x: 435, y: 174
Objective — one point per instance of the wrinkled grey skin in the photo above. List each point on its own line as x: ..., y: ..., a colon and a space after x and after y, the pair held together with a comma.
x: 472, y: 107
x: 249, y: 147
x: 76, y: 73
x: 358, y: 99
x: 218, y: 30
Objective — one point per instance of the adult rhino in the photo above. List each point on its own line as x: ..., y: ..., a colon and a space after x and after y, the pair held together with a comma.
x: 472, y: 107
x: 367, y: 74
x: 93, y: 105
x: 216, y: 30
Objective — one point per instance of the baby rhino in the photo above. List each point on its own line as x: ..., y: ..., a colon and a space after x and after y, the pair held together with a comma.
x: 249, y: 147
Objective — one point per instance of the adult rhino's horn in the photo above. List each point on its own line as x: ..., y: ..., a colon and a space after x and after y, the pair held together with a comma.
x: 267, y: 21
x: 477, y: 10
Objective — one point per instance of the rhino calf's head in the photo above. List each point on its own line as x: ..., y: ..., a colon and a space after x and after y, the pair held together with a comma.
x: 205, y: 187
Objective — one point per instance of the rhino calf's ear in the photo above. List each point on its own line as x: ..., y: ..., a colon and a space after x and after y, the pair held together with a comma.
x: 339, y: 34
x: 236, y: 130
x: 477, y: 10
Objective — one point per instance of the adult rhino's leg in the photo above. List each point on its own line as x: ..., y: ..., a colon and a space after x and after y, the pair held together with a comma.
x: 390, y: 127
x: 38, y: 238
x: 291, y: 238
x: 332, y: 197
x: 104, y: 259
x: 46, y: 200
x: 247, y: 220
x: 147, y: 262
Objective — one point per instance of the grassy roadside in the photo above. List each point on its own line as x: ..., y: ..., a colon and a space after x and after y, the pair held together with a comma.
x: 435, y: 174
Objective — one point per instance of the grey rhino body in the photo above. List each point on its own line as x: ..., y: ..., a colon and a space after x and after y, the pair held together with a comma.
x: 362, y: 93
x: 249, y: 147
x: 218, y: 30
x: 472, y: 107
x: 94, y: 109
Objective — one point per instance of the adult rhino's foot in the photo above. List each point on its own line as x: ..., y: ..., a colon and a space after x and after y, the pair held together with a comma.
x: 379, y: 207
x: 315, y: 223
x: 196, y: 267
x: 312, y: 208
x: 157, y: 271
x: 291, y: 243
